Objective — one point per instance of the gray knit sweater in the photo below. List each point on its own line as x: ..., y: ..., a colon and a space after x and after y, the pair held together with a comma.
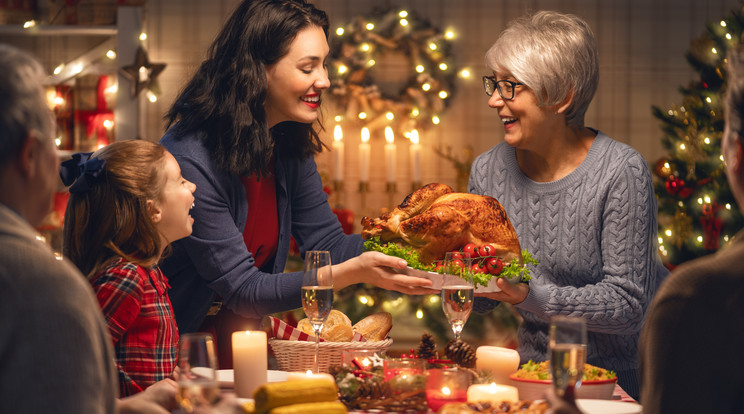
x: 594, y: 233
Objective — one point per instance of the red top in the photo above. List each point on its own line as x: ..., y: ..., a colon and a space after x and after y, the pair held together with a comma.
x: 261, y: 233
x: 140, y: 319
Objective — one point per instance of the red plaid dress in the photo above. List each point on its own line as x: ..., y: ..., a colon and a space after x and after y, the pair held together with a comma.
x: 141, y: 323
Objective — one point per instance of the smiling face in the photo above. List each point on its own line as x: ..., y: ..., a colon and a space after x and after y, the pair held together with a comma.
x: 525, y: 122
x: 171, y: 212
x: 296, y: 81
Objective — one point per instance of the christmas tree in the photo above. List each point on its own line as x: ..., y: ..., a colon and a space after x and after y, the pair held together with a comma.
x: 697, y: 212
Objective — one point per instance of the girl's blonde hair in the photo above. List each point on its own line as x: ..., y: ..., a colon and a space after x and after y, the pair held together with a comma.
x: 112, y: 218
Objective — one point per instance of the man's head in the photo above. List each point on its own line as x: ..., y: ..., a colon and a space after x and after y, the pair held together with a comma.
x: 29, y: 166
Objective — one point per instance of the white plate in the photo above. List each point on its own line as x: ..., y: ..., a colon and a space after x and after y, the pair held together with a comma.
x: 607, y: 407
x: 438, y: 279
x: 226, y: 378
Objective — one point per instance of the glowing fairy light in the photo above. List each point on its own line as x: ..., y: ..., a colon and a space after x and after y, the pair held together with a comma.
x: 58, y: 69
x: 426, y: 86
x: 465, y: 73
x: 362, y: 115
x: 340, y: 31
x: 390, y: 116
x: 365, y: 47
x: 111, y: 54
x: 143, y: 36
x: 682, y: 147
x: 403, y: 22
x: 433, y: 46
x: 420, y: 314
x: 29, y: 24
x: 403, y: 14
x: 449, y: 34
x: 723, y: 23
x: 370, y: 26
x: 435, y: 120
x: 419, y: 68
x: 442, y: 66
x: 342, y: 69
x: 708, y: 100
x: 338, y: 118
x: 715, y: 52
x: 668, y: 233
x: 443, y: 94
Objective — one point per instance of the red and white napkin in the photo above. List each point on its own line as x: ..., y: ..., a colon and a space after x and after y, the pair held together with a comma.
x: 282, y: 330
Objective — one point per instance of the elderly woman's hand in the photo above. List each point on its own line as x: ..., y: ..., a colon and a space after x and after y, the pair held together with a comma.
x: 513, y: 293
x: 379, y: 269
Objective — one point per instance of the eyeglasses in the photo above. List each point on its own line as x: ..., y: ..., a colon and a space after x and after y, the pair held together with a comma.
x: 505, y: 87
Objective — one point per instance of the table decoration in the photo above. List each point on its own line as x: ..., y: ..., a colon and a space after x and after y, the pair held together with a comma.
x: 499, y: 362
x: 492, y: 392
x: 250, y: 361
x: 446, y: 386
x: 310, y: 375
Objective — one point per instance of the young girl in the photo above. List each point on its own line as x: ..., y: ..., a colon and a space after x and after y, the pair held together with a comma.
x: 128, y: 201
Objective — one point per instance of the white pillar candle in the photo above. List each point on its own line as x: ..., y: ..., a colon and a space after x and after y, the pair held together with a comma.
x: 415, y: 157
x: 492, y: 392
x: 364, y: 156
x: 390, y: 154
x: 299, y: 376
x: 500, y: 362
x: 338, y: 154
x: 250, y: 362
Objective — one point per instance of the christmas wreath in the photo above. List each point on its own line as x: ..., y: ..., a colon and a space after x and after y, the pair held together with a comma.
x: 357, y: 48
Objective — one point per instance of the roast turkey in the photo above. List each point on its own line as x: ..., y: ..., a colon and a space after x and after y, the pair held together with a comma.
x: 434, y: 220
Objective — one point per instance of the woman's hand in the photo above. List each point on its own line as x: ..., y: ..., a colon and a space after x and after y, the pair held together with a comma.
x: 378, y: 269
x: 513, y: 293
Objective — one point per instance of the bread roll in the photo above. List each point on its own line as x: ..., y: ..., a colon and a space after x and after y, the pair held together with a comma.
x: 337, y: 328
x: 375, y: 327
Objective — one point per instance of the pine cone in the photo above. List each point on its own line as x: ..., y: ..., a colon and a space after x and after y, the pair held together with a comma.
x: 374, y: 389
x: 461, y: 353
x: 427, y: 347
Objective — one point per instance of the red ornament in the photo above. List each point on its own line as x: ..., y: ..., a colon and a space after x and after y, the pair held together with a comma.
x: 712, y: 226
x: 674, y: 185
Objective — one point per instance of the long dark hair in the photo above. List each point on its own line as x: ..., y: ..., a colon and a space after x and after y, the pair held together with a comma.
x: 224, y: 101
x: 111, y: 219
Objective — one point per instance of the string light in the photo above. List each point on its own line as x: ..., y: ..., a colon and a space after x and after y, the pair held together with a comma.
x: 403, y: 13
x: 434, y: 299
x: 365, y: 47
x: 340, y: 31
x: 449, y: 34
x: 151, y: 97
x: 706, y: 140
x: 682, y: 147
x: 443, y: 94
x: 58, y: 69
x: 403, y: 22
x: 419, y: 68
x: 338, y: 118
x: 465, y: 73
x: 443, y: 66
x: 426, y: 86
x: 715, y: 52
x: 414, y: 112
x: 390, y: 116
x: 435, y: 120
x: 699, y: 239
x: 342, y: 69
x: 29, y: 24
x: 728, y: 36
x: 371, y: 62
x: 668, y: 232
x: 362, y: 115
x: 370, y: 26
x: 433, y: 46
x: 661, y: 240
x: 420, y: 314
x: 111, y: 54
x: 723, y: 23
x: 108, y: 124
x: 708, y: 100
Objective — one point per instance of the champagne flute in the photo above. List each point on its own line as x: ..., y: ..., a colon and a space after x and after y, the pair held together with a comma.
x: 317, y: 293
x: 567, y: 343
x: 197, y: 372
x: 457, y: 290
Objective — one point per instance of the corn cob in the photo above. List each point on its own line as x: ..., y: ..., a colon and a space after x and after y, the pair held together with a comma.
x: 311, y: 408
x: 277, y: 394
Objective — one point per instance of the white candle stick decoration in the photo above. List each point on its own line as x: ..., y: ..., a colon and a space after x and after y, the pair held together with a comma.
x: 415, y: 157
x: 338, y: 153
x: 390, y: 154
x: 364, y: 156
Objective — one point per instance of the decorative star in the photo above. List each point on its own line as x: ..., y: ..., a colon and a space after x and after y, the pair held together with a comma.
x: 142, y: 74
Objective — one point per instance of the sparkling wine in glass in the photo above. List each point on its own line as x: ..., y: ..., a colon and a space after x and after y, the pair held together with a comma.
x: 317, y: 293
x: 197, y: 372
x: 567, y: 344
x: 457, y: 290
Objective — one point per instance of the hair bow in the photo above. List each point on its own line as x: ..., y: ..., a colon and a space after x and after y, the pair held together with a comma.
x: 81, y: 171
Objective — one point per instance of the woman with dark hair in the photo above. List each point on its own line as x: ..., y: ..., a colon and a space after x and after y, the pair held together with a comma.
x: 242, y: 131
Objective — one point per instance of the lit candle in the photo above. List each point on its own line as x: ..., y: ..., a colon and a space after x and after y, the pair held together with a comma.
x: 415, y: 157
x: 338, y: 153
x: 492, y: 392
x: 249, y: 361
x: 364, y: 156
x: 445, y: 386
x: 501, y: 362
x: 390, y: 154
x: 299, y: 376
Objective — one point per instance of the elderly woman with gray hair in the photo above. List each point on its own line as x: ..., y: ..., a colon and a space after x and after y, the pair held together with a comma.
x: 582, y: 203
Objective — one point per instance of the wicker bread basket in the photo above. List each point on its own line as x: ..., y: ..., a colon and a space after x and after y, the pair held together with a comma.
x: 300, y: 355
